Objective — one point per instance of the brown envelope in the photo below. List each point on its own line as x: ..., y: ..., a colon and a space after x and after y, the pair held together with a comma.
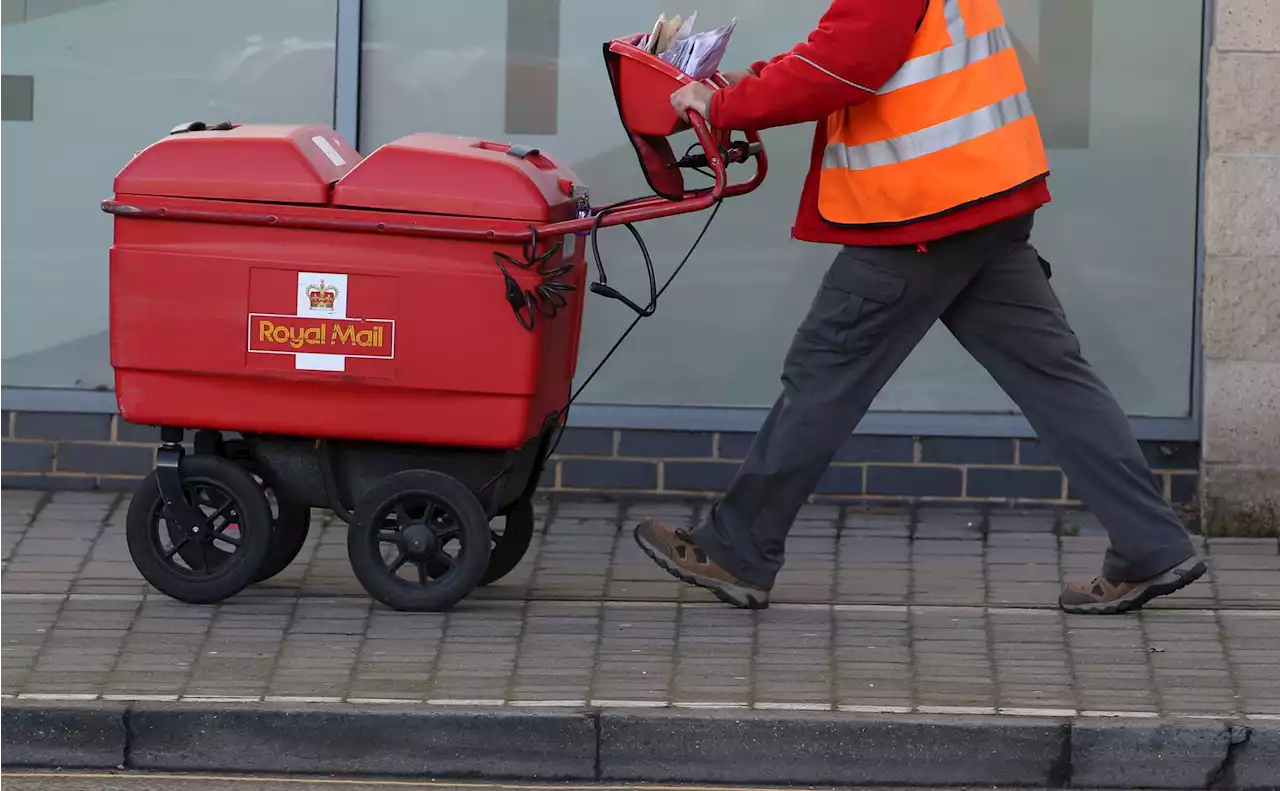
x: 657, y: 32
x: 668, y: 33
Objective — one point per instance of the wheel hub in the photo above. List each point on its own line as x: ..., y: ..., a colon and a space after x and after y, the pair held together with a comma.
x: 420, y: 540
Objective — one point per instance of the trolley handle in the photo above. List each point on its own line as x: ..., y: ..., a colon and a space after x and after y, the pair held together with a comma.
x: 738, y: 152
x: 753, y: 148
x: 657, y: 208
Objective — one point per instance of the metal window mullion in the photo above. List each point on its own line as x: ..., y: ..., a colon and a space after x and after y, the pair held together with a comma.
x: 346, y: 71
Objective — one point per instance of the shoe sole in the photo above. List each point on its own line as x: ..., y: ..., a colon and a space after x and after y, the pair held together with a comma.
x: 1171, y: 581
x: 721, y: 589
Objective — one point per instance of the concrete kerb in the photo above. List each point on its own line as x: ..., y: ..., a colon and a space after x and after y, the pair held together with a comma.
x: 426, y: 742
x: 830, y: 749
x: 711, y: 746
x: 73, y: 736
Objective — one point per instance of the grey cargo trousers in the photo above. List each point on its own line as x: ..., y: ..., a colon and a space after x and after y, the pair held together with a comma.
x: 874, y: 306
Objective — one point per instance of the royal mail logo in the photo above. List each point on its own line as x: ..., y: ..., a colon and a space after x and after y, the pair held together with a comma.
x: 321, y: 344
x: 295, y: 334
x: 322, y: 296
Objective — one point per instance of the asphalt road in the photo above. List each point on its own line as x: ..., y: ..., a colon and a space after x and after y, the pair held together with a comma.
x: 43, y: 781
x: 144, y: 782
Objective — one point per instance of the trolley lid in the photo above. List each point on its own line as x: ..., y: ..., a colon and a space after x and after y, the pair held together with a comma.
x: 259, y: 163
x: 442, y: 174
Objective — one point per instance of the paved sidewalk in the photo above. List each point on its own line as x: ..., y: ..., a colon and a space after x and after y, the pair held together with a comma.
x: 889, y: 612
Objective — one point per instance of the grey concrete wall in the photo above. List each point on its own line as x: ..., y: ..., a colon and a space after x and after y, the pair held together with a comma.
x: 1241, y: 442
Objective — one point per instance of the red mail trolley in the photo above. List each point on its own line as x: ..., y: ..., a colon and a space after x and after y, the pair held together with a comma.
x: 393, y: 337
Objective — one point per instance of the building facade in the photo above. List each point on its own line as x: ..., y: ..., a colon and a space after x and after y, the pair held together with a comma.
x: 1160, y: 116
x: 1241, y: 488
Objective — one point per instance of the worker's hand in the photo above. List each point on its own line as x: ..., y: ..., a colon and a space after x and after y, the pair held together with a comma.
x: 737, y: 75
x: 695, y: 96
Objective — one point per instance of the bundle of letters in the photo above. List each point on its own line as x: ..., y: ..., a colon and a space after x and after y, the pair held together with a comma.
x: 696, y: 54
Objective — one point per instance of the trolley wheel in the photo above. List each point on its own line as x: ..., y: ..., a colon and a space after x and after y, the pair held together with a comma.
x: 290, y: 525
x: 227, y: 554
x: 509, y: 547
x: 420, y: 542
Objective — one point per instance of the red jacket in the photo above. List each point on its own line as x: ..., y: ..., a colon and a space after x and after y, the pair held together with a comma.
x: 857, y: 43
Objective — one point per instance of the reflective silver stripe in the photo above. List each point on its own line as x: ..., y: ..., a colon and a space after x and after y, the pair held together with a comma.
x: 931, y: 140
x: 955, y: 21
x: 833, y: 75
x: 951, y: 59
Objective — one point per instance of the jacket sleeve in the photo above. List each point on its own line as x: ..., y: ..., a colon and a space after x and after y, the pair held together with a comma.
x: 857, y: 47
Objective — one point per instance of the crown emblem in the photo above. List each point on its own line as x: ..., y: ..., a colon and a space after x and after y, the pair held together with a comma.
x: 322, y: 296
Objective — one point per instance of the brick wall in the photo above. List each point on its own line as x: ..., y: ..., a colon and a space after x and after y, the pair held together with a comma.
x: 57, y: 450
x: 866, y: 467
x: 86, y: 451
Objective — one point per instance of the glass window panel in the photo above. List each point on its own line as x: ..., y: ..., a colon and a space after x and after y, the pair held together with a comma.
x: 1116, y: 83
x: 107, y: 78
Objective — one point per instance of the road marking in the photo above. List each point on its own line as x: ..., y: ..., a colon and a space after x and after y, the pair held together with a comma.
x: 58, y: 696
x: 962, y: 710
x: 848, y: 708
x: 852, y: 708
x: 1141, y: 715
x: 301, y: 699
x: 220, y: 699
x: 1019, y: 711
x: 333, y: 781
x: 634, y: 704
x: 142, y: 698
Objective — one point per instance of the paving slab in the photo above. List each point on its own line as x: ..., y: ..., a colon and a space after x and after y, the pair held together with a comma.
x: 878, y: 632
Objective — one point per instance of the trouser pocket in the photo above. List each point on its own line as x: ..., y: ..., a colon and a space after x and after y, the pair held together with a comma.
x: 1053, y: 292
x: 853, y: 293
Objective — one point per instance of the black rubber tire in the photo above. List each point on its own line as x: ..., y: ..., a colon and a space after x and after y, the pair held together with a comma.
x: 509, y: 547
x: 232, y: 574
x: 466, y: 520
x: 290, y: 526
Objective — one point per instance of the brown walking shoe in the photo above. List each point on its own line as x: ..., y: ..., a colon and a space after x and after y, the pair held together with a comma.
x: 1105, y: 597
x: 675, y: 552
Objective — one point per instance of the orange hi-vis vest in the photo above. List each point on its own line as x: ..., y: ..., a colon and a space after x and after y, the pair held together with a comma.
x: 952, y: 128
